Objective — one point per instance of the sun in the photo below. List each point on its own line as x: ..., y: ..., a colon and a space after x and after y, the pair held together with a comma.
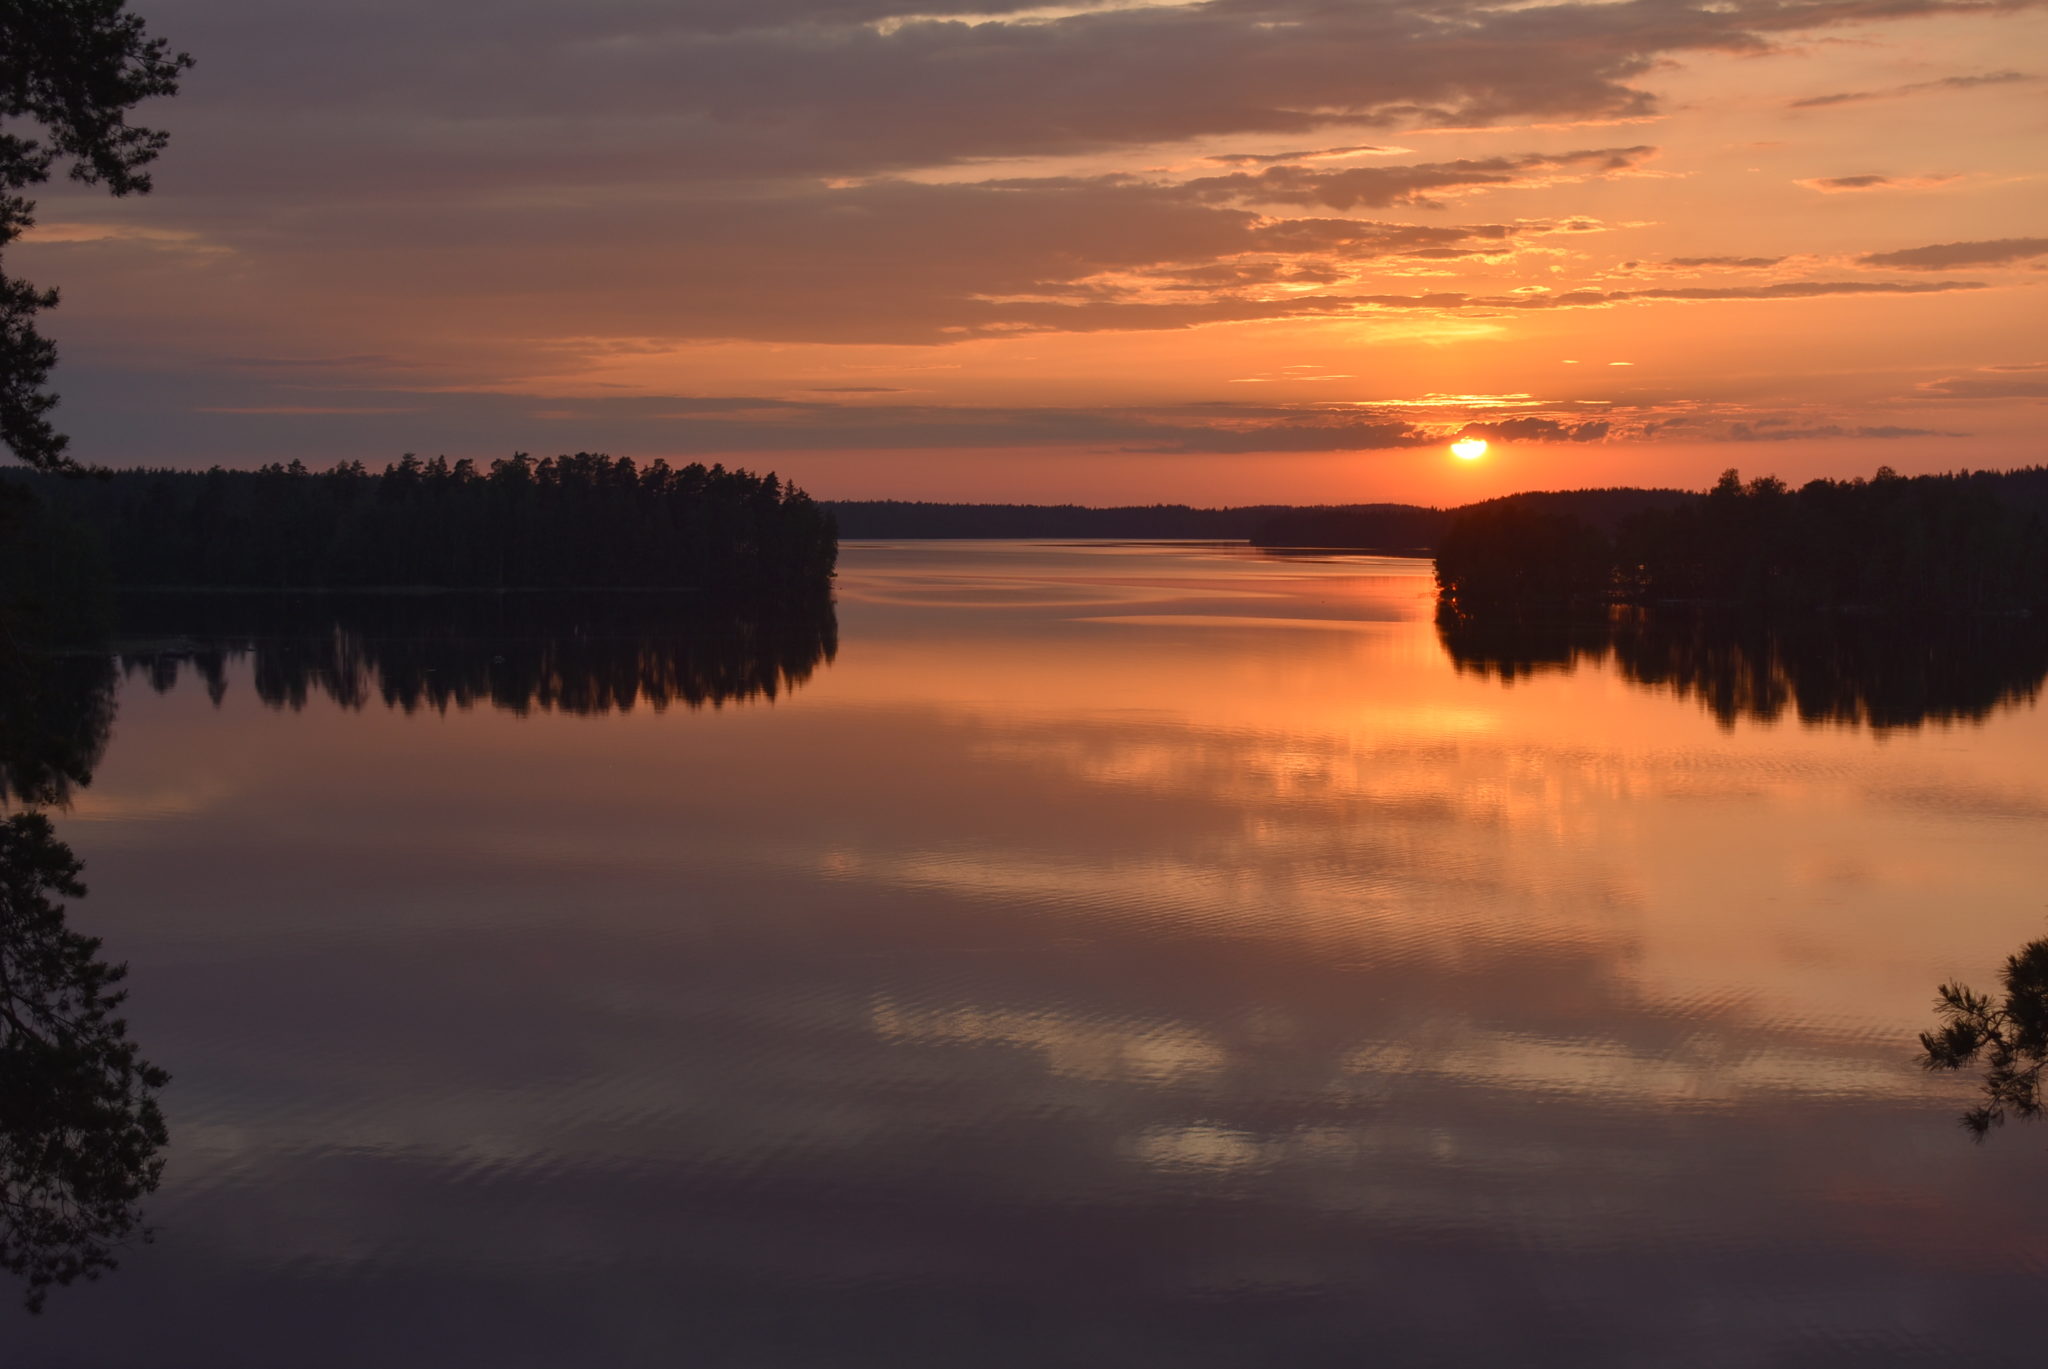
x: 1469, y: 448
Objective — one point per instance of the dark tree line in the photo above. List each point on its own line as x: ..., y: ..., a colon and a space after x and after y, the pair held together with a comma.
x: 1416, y: 529
x: 547, y: 651
x: 1943, y: 542
x: 1968, y: 542
x: 54, y: 586
x: 579, y: 521
x: 1607, y: 508
x: 1510, y: 553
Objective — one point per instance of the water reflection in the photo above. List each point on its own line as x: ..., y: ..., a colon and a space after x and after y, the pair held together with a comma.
x: 55, y: 714
x: 1111, y: 961
x: 569, y: 653
x: 1871, y: 672
x: 80, y: 1129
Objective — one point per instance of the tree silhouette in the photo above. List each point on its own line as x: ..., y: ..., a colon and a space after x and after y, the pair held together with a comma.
x: 70, y: 70
x: 2010, y: 1037
x: 1510, y: 554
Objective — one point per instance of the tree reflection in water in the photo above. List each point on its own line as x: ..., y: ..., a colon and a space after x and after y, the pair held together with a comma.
x: 1875, y: 672
x: 2009, y: 1035
x: 81, y: 1134
x: 55, y: 714
x: 1878, y: 673
x: 572, y: 653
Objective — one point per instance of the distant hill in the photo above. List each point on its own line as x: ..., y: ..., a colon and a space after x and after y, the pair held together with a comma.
x: 1605, y: 509
x: 1407, y: 527
x: 1412, y: 528
x: 1398, y: 528
x: 1370, y: 527
x: 895, y: 518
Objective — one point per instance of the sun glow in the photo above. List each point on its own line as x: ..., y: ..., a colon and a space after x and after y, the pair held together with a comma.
x: 1469, y: 448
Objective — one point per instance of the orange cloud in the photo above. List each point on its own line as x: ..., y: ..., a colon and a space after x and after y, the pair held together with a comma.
x: 1947, y: 256
x: 1846, y: 185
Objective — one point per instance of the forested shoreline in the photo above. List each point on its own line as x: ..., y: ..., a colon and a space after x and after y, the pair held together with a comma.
x: 1965, y: 542
x: 580, y: 521
x: 1971, y: 540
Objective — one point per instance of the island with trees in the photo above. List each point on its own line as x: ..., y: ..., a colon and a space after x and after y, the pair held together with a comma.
x: 580, y: 521
x: 1890, y: 602
x: 1974, y: 541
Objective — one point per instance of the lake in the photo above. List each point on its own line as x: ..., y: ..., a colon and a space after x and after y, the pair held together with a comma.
x: 1090, y: 954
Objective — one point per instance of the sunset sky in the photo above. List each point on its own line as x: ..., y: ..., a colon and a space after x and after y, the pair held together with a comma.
x: 1235, y: 252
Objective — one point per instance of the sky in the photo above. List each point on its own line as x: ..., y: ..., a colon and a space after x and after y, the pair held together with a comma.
x: 1244, y: 251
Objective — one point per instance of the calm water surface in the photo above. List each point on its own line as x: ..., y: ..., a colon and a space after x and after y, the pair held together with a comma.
x: 1097, y: 955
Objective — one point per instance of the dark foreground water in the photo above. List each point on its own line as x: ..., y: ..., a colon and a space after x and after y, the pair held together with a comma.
x: 1079, y: 956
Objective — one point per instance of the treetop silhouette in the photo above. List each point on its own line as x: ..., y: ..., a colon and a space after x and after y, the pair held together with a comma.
x: 70, y: 72
x: 583, y: 520
x: 2010, y: 1036
x: 1971, y: 541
